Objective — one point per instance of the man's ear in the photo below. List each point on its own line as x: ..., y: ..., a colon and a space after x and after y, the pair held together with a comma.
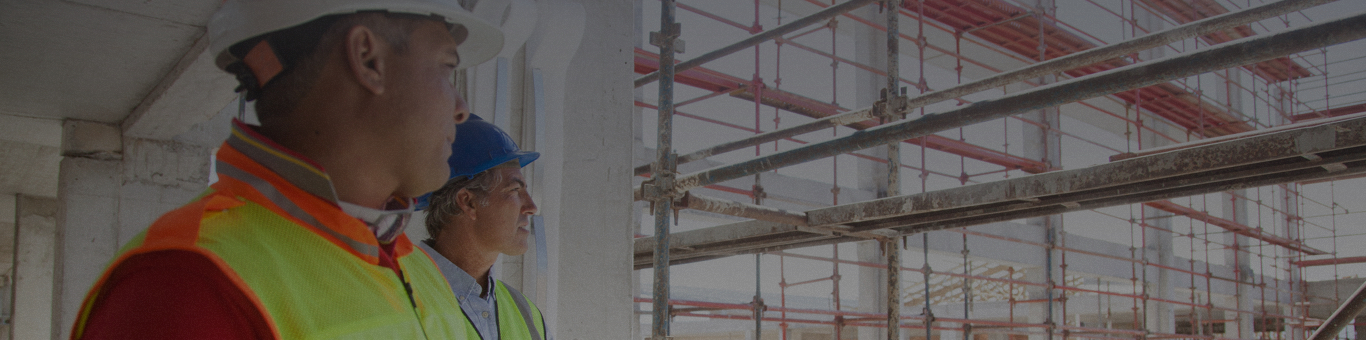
x: 464, y: 199
x: 366, y: 55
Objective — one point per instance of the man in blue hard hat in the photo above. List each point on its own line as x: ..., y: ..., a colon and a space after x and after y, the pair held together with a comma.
x: 483, y: 211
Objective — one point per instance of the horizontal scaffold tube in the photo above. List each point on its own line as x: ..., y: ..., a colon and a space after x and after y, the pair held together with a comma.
x: 1219, y: 57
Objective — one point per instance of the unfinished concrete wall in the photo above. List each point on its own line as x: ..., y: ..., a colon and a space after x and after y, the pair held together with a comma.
x: 587, y: 160
x: 7, y: 221
x: 35, y: 226
x: 111, y: 188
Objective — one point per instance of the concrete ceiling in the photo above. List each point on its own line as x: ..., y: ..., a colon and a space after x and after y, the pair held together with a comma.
x: 96, y: 60
x: 91, y: 60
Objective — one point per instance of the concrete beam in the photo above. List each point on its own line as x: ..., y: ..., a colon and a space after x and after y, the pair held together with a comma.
x: 194, y: 91
x: 93, y: 140
x: 45, y: 132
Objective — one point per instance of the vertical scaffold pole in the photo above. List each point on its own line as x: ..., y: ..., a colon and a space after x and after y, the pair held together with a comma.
x: 664, y: 172
x: 891, y: 247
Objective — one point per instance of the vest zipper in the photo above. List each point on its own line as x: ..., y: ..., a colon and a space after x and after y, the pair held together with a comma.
x: 408, y: 288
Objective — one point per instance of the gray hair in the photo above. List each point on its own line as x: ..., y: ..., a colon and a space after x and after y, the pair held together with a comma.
x: 442, y: 205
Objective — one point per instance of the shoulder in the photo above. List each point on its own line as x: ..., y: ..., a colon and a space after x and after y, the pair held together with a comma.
x: 181, y: 294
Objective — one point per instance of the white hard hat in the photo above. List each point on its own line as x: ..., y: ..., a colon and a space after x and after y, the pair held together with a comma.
x: 239, y: 20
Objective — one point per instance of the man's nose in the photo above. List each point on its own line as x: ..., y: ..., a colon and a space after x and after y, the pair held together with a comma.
x: 530, y: 207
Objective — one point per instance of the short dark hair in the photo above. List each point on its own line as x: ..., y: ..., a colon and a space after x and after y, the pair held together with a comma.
x: 305, y: 49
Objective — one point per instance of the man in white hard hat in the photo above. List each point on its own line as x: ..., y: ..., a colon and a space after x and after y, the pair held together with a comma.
x: 302, y: 236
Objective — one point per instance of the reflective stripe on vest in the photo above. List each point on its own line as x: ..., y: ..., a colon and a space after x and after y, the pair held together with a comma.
x: 518, y: 319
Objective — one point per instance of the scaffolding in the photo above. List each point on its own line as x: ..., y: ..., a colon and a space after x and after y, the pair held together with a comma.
x: 1209, y: 151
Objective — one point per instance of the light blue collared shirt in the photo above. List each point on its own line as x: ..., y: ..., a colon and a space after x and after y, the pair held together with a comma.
x: 479, y: 308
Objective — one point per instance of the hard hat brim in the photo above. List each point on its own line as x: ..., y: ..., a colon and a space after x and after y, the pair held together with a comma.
x: 522, y: 157
x: 239, y: 21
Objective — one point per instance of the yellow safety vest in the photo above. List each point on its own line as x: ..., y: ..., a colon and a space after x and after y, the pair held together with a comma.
x: 517, y: 317
x: 311, y: 270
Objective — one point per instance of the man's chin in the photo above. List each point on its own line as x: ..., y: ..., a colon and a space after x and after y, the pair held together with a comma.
x: 518, y: 252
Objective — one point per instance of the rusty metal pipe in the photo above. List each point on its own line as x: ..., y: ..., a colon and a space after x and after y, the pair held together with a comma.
x: 1283, y: 157
x: 1108, y: 52
x: 812, y: 126
x: 665, y: 172
x: 740, y: 209
x: 1113, y: 81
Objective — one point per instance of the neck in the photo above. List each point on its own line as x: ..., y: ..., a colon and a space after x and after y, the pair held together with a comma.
x: 330, y: 134
x: 464, y: 251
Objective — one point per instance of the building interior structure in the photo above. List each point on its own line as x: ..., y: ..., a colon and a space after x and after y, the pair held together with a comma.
x: 794, y: 169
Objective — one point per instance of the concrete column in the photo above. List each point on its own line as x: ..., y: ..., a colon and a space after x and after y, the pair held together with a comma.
x: 1290, y: 204
x: 1236, y: 257
x: 1036, y: 311
x: 87, y: 217
x: 872, y: 288
x: 1159, y: 317
x: 638, y: 133
x: 587, y: 167
x: 1044, y: 143
x: 110, y: 189
x: 7, y: 220
x: 35, y: 227
x: 870, y: 48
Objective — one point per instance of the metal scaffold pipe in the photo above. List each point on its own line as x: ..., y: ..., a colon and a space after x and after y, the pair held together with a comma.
x: 1108, y: 52
x: 813, y: 126
x: 890, y: 113
x: 1084, y: 58
x: 706, y: 203
x: 755, y: 39
x: 664, y: 172
x: 1247, y: 51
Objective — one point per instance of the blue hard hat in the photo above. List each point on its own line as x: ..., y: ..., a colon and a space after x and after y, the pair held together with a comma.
x: 480, y: 145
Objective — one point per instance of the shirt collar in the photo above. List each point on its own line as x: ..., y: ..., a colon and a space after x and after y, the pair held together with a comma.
x: 386, y: 224
x: 461, y: 282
